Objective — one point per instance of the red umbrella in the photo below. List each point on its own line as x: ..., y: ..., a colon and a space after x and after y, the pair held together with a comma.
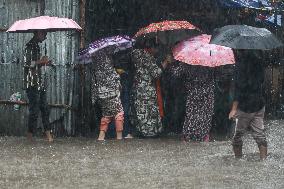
x: 167, y: 32
x: 47, y: 23
x: 198, y: 51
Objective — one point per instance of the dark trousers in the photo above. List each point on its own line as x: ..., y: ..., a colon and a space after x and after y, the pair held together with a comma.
x: 174, y: 110
x: 37, y: 103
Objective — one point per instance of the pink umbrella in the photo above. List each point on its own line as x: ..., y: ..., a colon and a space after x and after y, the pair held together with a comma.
x: 198, y: 51
x: 47, y: 23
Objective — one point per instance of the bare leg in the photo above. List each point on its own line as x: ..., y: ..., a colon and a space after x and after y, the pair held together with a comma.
x: 119, y: 119
x: 262, y: 152
x: 118, y: 135
x: 30, y: 137
x: 48, y: 136
x: 206, y: 138
x: 101, y: 136
x: 103, y: 127
x: 238, y: 151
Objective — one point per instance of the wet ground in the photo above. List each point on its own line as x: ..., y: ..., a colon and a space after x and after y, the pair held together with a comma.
x: 140, y: 163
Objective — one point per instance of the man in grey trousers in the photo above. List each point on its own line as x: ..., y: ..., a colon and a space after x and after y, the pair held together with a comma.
x: 249, y: 104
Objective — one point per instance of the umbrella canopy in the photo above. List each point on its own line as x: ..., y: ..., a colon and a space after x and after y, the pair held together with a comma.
x: 254, y: 4
x: 50, y: 24
x: 117, y: 43
x: 167, y: 32
x: 245, y: 37
x: 198, y: 51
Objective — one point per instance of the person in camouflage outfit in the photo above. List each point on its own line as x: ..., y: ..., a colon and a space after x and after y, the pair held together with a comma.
x: 144, y: 112
x: 106, y: 91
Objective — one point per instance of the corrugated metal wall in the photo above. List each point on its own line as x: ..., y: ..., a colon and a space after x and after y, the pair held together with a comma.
x: 61, y: 47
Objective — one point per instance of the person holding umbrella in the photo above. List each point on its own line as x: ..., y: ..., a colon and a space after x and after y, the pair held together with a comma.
x: 33, y: 83
x: 249, y: 104
x: 197, y: 62
x: 105, y: 81
x: 248, y: 107
x: 149, y: 64
x: 106, y: 91
x: 35, y: 86
x: 144, y: 112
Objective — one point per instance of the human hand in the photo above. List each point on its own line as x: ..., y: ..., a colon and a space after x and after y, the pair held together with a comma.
x: 168, y: 59
x: 44, y: 61
x: 119, y: 71
x: 232, y: 114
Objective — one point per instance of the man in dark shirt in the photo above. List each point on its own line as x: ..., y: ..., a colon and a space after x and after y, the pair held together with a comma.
x: 34, y: 85
x: 249, y: 104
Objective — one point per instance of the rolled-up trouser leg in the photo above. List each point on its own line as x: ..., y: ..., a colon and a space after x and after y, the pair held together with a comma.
x: 237, y: 139
x: 257, y: 127
x: 119, y: 119
x: 104, y: 123
x: 242, y: 123
x: 33, y: 96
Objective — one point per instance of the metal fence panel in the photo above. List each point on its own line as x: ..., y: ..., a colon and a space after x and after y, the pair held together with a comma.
x: 61, y: 47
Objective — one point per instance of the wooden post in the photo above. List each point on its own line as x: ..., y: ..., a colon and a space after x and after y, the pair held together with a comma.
x: 41, y: 7
x: 82, y: 22
x: 81, y: 67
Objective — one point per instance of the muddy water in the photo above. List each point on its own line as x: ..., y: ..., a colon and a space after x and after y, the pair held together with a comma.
x: 140, y: 163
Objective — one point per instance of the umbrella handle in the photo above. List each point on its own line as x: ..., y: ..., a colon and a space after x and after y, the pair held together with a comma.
x: 45, y: 50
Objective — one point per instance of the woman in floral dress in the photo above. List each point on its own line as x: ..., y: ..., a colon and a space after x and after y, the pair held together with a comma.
x: 199, y: 88
x: 144, y: 112
x: 106, y: 91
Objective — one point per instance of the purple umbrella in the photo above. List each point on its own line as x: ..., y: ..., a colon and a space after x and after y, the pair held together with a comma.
x: 118, y: 43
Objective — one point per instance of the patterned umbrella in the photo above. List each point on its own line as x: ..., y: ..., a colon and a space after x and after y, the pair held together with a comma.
x: 166, y: 32
x: 198, y: 51
x: 116, y: 44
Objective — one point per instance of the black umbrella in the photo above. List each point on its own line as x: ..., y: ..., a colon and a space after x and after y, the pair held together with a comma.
x: 245, y: 37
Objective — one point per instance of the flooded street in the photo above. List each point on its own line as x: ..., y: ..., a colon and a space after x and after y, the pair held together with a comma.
x: 140, y: 163
x: 70, y: 70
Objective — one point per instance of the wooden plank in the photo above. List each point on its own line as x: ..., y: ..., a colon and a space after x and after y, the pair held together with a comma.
x: 8, y: 102
x: 82, y: 22
x: 3, y: 29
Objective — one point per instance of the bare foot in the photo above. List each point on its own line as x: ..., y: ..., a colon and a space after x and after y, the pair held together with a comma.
x: 119, y: 135
x: 184, y: 139
x: 101, y: 136
x: 206, y: 138
x: 30, y: 137
x: 48, y: 136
